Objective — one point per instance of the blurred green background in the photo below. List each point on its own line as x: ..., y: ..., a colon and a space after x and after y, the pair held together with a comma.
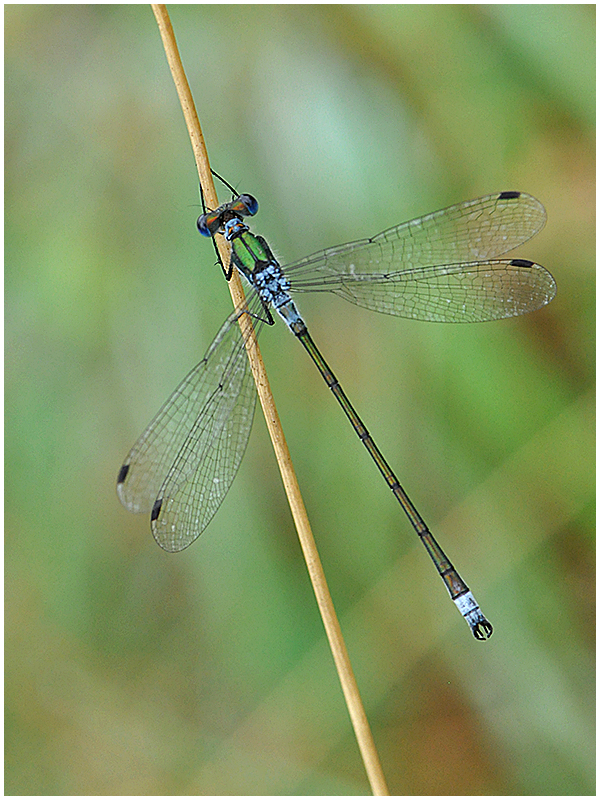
x: 131, y: 671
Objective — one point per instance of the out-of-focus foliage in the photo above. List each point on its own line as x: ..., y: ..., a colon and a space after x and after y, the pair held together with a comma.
x: 131, y: 671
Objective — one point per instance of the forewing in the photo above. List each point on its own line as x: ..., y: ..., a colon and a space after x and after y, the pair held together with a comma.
x: 182, y: 466
x: 475, y: 230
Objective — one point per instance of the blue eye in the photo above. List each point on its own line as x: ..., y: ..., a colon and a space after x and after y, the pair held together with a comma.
x: 209, y: 224
x: 251, y: 204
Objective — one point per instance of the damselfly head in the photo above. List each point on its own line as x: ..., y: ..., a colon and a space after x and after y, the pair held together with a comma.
x: 244, y: 205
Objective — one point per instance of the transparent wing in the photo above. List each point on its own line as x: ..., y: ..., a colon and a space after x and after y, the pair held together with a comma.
x: 474, y: 230
x: 440, y: 267
x: 478, y: 292
x: 183, y: 464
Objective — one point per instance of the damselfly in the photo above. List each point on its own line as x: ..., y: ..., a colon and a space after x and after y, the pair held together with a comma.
x: 443, y: 267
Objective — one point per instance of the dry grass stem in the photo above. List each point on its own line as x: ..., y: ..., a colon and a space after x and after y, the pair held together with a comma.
x: 290, y: 482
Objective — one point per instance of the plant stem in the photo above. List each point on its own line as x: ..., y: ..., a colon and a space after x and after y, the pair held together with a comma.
x: 290, y: 482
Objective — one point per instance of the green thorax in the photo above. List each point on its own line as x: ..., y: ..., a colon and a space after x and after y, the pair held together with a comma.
x: 249, y: 252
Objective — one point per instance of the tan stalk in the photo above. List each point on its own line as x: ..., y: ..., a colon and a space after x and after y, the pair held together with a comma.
x: 290, y: 482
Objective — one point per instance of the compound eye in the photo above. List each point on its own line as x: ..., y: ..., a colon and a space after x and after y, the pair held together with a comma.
x: 249, y: 203
x: 208, y: 224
